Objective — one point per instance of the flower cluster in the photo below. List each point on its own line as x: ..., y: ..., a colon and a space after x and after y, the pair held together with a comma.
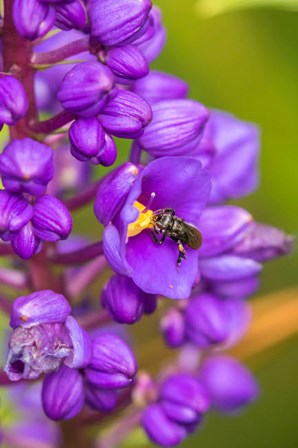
x: 167, y: 229
x: 28, y: 215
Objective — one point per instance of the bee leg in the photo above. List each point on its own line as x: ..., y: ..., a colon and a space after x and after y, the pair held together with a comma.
x: 155, y: 239
x: 182, y: 253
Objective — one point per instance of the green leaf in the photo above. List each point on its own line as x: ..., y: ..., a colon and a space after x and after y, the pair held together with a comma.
x: 209, y: 8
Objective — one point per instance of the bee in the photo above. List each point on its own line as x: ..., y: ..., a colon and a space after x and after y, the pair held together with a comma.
x: 166, y: 222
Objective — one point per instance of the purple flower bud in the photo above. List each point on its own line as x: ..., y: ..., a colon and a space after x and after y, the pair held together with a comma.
x: 108, y: 153
x: 87, y: 138
x: 127, y: 63
x: 153, y: 39
x: 262, y: 243
x: 51, y: 220
x: 26, y: 166
x: 39, y: 308
x: 210, y: 320
x: 85, y: 88
x: 63, y: 394
x: 184, y: 399
x: 37, y: 349
x: 161, y: 429
x: 25, y: 243
x: 113, y: 191
x: 126, y: 115
x: 158, y: 86
x: 115, y: 21
x: 15, y: 212
x: 13, y: 100
x: 175, y: 127
x: 228, y: 268
x: 222, y: 227
x: 32, y: 18
x: 100, y: 399
x: 123, y: 299
x: 113, y: 364
x: 229, y: 384
x: 173, y: 327
x: 71, y: 15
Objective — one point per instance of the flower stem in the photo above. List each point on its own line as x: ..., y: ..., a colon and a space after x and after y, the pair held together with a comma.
x: 16, y: 60
x: 58, y: 55
x: 52, y: 124
x: 94, y: 319
x: 75, y: 285
x: 83, y: 198
x: 79, y: 256
x: 120, y: 430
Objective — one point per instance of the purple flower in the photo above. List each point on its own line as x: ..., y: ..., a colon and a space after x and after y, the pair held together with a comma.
x: 211, y: 321
x: 173, y: 327
x: 160, y: 428
x: 127, y: 63
x: 87, y: 138
x: 181, y: 406
x: 115, y: 21
x: 175, y: 129
x: 223, y: 227
x: 113, y: 364
x: 13, y: 100
x: 126, y: 115
x: 124, y: 300
x: 234, y: 169
x: 262, y: 243
x: 229, y: 384
x: 63, y: 394
x: 85, y: 88
x: 32, y: 18
x: 26, y: 166
x: 179, y: 183
x: 158, y: 86
x: 44, y: 337
x: 15, y: 212
x: 71, y: 15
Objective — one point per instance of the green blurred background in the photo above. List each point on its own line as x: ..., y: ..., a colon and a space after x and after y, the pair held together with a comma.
x: 245, y: 61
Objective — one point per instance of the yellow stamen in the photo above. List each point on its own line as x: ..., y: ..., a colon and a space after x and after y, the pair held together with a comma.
x: 144, y: 221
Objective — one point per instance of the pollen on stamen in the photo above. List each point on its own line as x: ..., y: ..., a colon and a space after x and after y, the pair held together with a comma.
x: 145, y: 219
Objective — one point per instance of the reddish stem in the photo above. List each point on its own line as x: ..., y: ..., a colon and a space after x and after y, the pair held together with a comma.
x: 52, y: 124
x: 79, y: 256
x: 62, y: 53
x: 83, y: 198
x: 17, y: 53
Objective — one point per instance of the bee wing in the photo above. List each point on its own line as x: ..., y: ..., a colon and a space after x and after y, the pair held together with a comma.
x: 193, y: 237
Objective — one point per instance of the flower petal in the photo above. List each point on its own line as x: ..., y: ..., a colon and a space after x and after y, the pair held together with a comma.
x: 39, y: 307
x: 81, y: 343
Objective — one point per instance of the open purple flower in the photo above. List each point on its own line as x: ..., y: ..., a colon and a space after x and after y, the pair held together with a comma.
x: 177, y: 182
x: 44, y: 337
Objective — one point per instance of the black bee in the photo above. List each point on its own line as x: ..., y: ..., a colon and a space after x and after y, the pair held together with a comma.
x: 166, y: 222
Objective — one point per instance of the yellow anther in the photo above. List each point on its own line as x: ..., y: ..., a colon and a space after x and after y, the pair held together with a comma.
x: 144, y: 221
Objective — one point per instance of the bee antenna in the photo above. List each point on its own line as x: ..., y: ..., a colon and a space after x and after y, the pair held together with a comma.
x: 152, y: 196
